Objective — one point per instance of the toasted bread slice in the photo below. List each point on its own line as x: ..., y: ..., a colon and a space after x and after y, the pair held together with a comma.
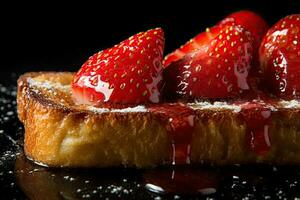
x: 59, y: 132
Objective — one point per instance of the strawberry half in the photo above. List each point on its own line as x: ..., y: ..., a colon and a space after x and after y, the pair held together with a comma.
x: 251, y: 21
x: 220, y: 71
x: 199, y: 41
x: 128, y: 73
x: 280, y: 57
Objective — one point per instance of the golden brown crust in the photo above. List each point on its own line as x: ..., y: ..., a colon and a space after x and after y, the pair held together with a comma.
x: 57, y: 135
x: 60, y: 133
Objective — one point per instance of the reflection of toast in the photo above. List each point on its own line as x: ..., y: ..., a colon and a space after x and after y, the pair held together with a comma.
x: 60, y: 133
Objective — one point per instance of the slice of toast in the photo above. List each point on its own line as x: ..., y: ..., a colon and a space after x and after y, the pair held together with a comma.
x: 59, y: 132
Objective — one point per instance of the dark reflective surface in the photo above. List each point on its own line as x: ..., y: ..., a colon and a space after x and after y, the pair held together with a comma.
x: 21, y: 179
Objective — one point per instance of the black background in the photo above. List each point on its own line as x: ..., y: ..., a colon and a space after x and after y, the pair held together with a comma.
x: 61, y: 37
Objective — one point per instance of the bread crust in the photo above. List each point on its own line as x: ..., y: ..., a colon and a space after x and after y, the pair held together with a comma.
x: 61, y: 133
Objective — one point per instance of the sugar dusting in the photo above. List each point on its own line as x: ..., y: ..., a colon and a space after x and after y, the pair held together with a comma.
x: 289, y: 104
x: 203, y: 105
x: 123, y: 110
x: 47, y: 85
x: 50, y: 85
x: 259, y: 101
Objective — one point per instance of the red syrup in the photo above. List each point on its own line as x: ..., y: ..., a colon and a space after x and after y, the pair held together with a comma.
x: 257, y: 115
x: 179, y: 121
x: 182, y: 181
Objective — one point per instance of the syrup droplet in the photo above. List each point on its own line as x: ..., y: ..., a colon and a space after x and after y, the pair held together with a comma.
x: 179, y: 121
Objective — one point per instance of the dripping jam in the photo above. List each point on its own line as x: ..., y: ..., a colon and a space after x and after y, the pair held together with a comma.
x: 257, y: 116
x: 179, y: 121
x: 181, y: 180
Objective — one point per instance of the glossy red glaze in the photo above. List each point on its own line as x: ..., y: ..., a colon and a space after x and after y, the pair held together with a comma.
x: 128, y: 73
x: 218, y: 71
x: 181, y: 181
x: 257, y: 117
x: 179, y: 121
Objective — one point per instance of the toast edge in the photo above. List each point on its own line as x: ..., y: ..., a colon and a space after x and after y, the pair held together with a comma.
x: 219, y: 138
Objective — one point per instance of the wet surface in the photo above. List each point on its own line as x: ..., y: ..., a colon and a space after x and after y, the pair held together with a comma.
x: 22, y: 179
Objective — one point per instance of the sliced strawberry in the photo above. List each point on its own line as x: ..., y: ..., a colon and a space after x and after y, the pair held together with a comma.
x: 129, y: 72
x: 220, y: 71
x: 258, y: 28
x: 199, y: 41
x: 250, y: 21
x: 280, y: 57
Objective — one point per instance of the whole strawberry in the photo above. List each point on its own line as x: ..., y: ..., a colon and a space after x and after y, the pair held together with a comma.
x: 128, y: 73
x: 280, y: 57
x: 219, y: 71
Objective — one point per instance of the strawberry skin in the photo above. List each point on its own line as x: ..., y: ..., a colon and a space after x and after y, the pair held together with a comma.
x: 220, y: 71
x: 128, y: 73
x: 279, y: 55
x: 199, y: 41
x: 251, y: 21
x: 258, y: 27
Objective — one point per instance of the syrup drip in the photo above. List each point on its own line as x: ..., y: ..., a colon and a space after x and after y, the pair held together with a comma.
x: 183, y: 181
x: 179, y: 121
x: 257, y: 116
